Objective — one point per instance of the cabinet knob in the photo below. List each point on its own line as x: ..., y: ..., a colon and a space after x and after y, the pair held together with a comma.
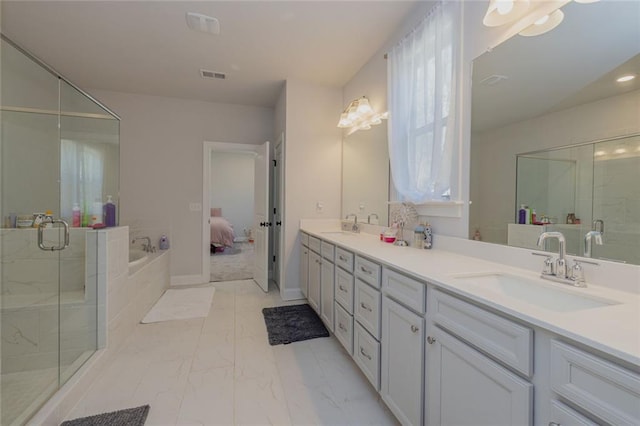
x: 342, y: 327
x: 342, y: 288
x: 414, y: 328
x: 365, y: 270
x: 432, y: 340
x: 364, y: 354
x: 344, y: 259
x: 367, y: 307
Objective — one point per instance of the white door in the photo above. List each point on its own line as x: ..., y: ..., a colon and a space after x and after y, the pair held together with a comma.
x: 261, y: 217
x: 277, y: 212
x: 402, y: 365
x: 464, y: 387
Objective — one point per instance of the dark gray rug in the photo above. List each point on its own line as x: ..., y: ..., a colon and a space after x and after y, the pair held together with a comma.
x: 129, y: 417
x: 294, y: 323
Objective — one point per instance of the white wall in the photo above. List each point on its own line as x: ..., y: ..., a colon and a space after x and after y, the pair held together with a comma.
x: 313, y: 146
x: 232, y: 186
x: 161, y: 145
x: 371, y: 80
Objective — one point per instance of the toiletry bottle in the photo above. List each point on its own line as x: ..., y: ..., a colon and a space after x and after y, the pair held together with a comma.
x: 164, y: 242
x: 533, y: 217
x: 75, y: 216
x: 96, y: 213
x: 110, y: 212
x: 428, y: 236
x: 522, y: 215
x: 418, y: 236
x: 477, y: 236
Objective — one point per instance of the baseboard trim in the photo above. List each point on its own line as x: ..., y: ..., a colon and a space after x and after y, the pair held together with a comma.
x: 291, y: 294
x: 177, y: 280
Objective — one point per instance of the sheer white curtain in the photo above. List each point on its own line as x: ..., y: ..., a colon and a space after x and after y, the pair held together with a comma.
x: 422, y: 95
x: 81, y: 176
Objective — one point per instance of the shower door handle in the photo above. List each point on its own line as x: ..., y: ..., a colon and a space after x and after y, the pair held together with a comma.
x: 41, y: 227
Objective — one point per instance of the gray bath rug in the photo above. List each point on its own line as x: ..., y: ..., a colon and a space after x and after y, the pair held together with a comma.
x: 294, y: 323
x: 234, y: 266
x: 129, y: 417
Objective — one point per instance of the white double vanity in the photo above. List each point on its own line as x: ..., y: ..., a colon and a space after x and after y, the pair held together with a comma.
x: 453, y: 339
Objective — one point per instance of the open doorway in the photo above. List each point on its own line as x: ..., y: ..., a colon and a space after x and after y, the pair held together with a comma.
x: 231, y: 204
x: 235, y: 205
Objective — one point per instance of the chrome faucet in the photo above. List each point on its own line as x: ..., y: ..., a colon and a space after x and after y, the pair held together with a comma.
x: 591, y: 235
x: 556, y: 269
x: 559, y: 267
x: 354, y: 227
x: 369, y: 217
x: 146, y: 247
x: 597, y: 230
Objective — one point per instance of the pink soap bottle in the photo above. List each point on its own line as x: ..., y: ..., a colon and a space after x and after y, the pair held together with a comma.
x: 75, y: 216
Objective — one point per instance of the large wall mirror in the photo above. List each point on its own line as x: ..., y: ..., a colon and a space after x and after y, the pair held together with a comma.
x: 553, y: 129
x: 365, y: 175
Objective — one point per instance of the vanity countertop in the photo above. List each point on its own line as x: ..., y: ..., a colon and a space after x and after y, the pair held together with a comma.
x: 613, y: 329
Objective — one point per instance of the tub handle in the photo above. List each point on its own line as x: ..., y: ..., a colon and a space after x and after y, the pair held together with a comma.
x: 41, y: 227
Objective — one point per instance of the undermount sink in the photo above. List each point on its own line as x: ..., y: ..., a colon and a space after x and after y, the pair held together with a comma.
x: 329, y: 233
x: 534, y: 292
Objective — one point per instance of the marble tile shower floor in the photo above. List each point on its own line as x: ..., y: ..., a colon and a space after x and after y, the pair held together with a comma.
x: 222, y: 370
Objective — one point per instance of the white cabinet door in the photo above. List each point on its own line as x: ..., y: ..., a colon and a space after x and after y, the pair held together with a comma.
x: 314, y: 281
x: 326, y: 293
x: 464, y: 387
x: 304, y: 270
x: 402, y: 362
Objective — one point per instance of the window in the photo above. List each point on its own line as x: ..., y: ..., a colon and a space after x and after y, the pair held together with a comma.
x: 422, y: 94
x: 81, y: 176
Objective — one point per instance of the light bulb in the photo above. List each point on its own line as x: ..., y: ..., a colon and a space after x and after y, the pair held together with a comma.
x: 542, y: 20
x: 620, y: 151
x: 624, y: 78
x: 364, y: 109
x: 599, y: 153
x: 504, y: 6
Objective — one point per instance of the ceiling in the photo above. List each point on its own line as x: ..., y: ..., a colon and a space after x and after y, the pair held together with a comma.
x: 146, y: 47
x: 575, y: 63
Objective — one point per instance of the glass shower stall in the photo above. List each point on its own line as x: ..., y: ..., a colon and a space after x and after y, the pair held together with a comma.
x: 59, y: 160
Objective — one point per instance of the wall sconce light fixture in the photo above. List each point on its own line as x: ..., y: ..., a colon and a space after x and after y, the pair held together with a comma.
x: 359, y: 115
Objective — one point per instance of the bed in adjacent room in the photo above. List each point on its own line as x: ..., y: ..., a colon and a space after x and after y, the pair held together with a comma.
x: 222, y: 234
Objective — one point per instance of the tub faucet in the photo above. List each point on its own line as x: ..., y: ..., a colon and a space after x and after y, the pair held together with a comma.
x: 146, y: 247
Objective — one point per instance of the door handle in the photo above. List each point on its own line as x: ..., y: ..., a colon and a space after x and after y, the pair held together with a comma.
x: 41, y: 236
x: 279, y: 223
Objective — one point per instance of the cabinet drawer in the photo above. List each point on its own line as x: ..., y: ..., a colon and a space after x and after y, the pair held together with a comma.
x: 366, y: 353
x: 314, y: 244
x: 344, y: 290
x: 508, y: 342
x: 600, y: 387
x: 344, y: 328
x: 368, y: 271
x: 407, y: 291
x: 367, y: 308
x: 327, y: 250
x: 344, y: 259
x: 563, y: 415
x: 304, y: 238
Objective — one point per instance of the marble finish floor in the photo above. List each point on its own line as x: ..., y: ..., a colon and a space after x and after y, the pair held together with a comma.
x: 222, y: 370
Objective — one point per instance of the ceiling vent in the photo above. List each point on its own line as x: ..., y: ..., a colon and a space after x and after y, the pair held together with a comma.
x: 212, y: 74
x: 492, y: 80
x: 203, y: 23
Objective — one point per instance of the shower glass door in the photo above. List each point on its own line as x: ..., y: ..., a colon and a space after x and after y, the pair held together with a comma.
x: 48, y: 295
